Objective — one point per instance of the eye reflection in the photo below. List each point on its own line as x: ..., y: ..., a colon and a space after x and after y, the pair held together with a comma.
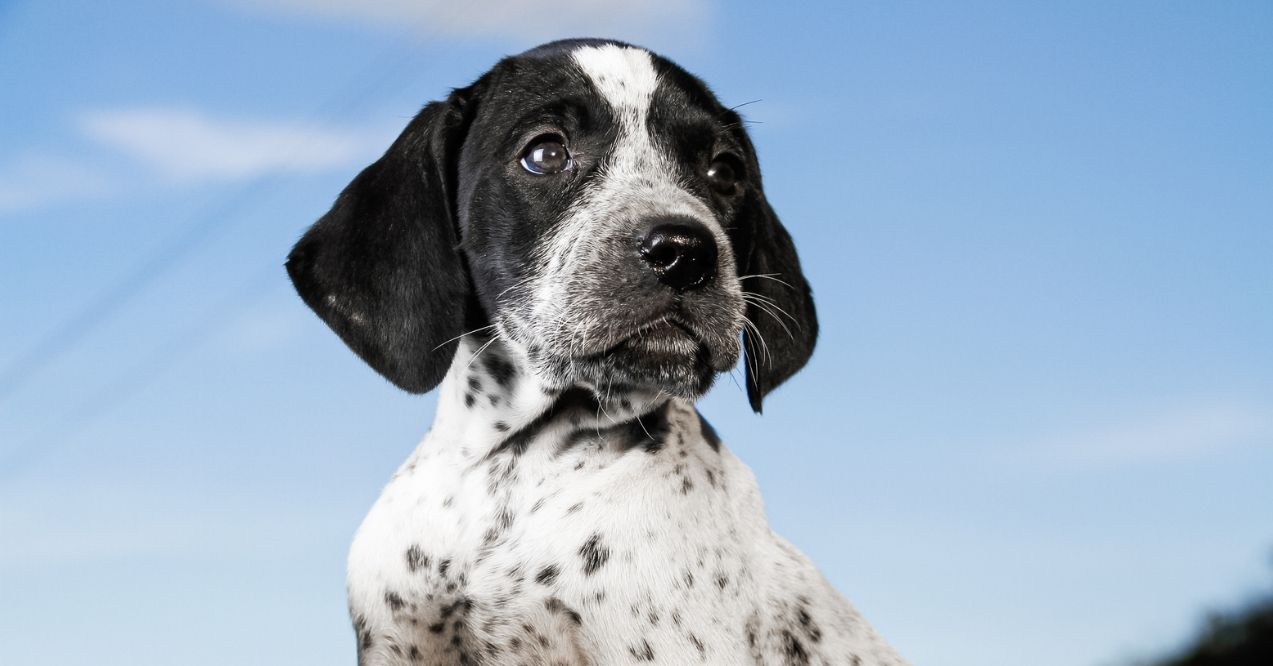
x: 723, y: 174
x: 546, y: 156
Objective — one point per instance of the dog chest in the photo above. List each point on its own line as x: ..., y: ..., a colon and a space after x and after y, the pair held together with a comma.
x: 605, y: 542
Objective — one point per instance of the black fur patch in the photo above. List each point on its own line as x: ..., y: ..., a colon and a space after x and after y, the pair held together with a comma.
x: 416, y: 559
x: 393, y: 601
x: 642, y: 652
x: 381, y: 266
x: 794, y: 650
x: 501, y: 370
x: 594, y: 554
x: 547, y: 575
x: 650, y: 431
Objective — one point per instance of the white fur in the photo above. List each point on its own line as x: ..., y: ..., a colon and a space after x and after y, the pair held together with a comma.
x: 641, y: 606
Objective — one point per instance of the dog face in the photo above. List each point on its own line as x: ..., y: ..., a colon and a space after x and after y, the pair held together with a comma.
x: 587, y: 202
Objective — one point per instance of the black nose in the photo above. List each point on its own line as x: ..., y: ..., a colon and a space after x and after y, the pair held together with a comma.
x: 682, y: 254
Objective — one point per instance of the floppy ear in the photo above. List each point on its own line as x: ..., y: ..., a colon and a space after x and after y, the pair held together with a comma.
x: 382, y: 267
x: 779, y: 301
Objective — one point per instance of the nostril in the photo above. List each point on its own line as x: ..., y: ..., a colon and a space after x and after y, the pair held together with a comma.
x: 682, y: 255
x: 658, y: 250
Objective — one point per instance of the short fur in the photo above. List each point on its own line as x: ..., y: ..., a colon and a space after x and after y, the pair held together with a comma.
x: 569, y: 505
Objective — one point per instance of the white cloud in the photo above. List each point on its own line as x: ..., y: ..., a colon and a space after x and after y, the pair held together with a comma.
x: 1179, y: 436
x: 185, y: 144
x: 166, y: 145
x: 523, y: 19
x: 35, y: 180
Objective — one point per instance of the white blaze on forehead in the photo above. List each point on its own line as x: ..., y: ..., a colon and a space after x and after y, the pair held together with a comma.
x: 624, y: 76
x: 638, y: 182
x: 638, y: 176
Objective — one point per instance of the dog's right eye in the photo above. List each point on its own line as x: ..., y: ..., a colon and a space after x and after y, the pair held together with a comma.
x: 546, y: 155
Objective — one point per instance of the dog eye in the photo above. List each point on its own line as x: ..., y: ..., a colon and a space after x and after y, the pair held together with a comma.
x: 723, y: 174
x: 546, y: 155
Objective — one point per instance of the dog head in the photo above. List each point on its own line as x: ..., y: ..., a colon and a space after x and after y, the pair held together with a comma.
x: 586, y: 201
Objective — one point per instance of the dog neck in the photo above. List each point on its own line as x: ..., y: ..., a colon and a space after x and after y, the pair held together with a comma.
x: 492, y: 400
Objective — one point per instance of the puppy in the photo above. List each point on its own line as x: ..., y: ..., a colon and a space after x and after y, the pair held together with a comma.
x: 573, y: 247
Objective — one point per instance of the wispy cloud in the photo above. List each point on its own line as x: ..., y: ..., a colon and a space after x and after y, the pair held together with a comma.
x: 520, y: 19
x: 149, y: 145
x: 1183, y: 435
x: 188, y: 145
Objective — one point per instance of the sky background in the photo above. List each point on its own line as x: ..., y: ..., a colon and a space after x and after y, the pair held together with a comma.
x: 1038, y: 427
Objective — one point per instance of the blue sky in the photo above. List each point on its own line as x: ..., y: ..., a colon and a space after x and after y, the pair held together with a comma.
x: 1038, y: 427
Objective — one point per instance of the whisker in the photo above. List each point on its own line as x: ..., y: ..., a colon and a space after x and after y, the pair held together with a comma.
x: 462, y: 335
x: 480, y: 350
x: 767, y: 276
x: 519, y: 283
x: 764, y: 307
x: 759, y: 298
x: 770, y: 301
x: 733, y: 377
x: 601, y: 402
x: 647, y: 432
x: 766, y: 356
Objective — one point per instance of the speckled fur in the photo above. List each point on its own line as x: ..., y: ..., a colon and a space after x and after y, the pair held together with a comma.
x: 533, y: 527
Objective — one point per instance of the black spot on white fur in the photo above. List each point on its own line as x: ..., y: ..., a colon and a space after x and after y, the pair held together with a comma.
x: 594, y: 554
x: 501, y: 370
x: 547, y: 575
x: 393, y: 601
x: 643, y: 651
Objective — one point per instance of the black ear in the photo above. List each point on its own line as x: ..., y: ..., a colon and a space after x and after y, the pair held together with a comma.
x: 382, y: 267
x: 784, y: 324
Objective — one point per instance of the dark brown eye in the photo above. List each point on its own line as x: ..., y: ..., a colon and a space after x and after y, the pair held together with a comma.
x: 546, y: 155
x: 723, y: 174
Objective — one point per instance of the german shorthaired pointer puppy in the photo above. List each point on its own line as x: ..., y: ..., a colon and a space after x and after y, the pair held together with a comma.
x: 574, y: 246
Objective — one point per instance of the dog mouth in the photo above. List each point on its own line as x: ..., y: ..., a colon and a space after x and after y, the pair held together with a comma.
x: 667, y: 337
x: 669, y: 353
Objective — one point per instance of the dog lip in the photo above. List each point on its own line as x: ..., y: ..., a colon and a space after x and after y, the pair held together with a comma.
x: 669, y: 321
